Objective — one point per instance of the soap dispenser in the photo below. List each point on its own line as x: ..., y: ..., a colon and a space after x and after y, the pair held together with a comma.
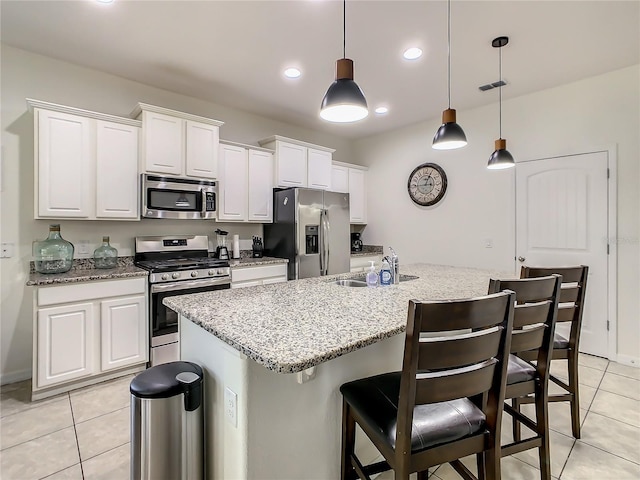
x: 372, y: 275
x: 385, y: 274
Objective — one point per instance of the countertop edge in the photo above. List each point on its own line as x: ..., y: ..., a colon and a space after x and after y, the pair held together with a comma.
x: 37, y: 280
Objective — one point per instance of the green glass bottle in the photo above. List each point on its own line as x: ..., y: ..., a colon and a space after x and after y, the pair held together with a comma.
x: 105, y: 256
x: 54, y: 254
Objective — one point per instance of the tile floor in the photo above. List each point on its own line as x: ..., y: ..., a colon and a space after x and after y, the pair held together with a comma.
x: 84, y: 434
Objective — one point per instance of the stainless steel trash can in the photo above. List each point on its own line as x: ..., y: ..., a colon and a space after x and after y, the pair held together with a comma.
x: 167, y: 436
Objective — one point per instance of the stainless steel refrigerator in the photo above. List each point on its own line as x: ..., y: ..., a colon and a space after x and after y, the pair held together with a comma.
x: 311, y: 229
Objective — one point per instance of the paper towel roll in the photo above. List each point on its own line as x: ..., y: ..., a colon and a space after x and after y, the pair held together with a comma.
x: 236, y: 246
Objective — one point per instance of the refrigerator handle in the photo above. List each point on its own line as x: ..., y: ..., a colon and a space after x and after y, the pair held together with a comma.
x: 324, y: 243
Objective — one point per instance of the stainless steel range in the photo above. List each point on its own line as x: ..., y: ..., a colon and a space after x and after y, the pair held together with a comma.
x: 177, y: 265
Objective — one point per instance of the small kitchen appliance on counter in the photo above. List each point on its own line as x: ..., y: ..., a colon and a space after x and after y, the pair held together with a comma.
x: 177, y: 265
x: 222, y: 252
x: 356, y: 243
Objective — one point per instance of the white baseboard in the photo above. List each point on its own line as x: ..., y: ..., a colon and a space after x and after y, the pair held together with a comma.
x: 13, y: 377
x: 628, y: 360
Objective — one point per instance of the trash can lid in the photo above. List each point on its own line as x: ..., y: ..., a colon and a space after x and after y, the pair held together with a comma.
x: 166, y: 380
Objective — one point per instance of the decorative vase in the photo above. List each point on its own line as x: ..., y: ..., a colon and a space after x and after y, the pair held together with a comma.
x: 54, y: 254
x: 105, y: 256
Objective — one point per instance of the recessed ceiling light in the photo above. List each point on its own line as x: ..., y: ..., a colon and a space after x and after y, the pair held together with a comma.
x: 104, y: 1
x: 381, y: 110
x: 292, y: 73
x: 412, y: 53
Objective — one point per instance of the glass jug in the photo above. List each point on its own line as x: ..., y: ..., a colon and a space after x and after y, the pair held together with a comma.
x: 54, y: 254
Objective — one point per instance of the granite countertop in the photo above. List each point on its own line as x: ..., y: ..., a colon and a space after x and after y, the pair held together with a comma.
x: 369, y: 250
x: 254, y: 262
x: 288, y: 327
x: 83, y: 270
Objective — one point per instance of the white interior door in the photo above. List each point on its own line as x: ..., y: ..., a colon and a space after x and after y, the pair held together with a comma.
x: 562, y: 220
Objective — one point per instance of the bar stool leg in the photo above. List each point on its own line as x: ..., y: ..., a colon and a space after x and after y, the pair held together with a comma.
x: 517, y: 430
x: 542, y: 422
x: 575, y: 396
x: 348, y: 443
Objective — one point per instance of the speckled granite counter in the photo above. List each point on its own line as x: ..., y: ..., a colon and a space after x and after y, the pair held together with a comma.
x: 368, y: 250
x: 254, y: 262
x: 84, y: 271
x: 295, y: 325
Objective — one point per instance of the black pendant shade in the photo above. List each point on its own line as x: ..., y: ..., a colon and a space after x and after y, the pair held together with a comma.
x: 500, y: 158
x: 344, y: 100
x: 450, y: 135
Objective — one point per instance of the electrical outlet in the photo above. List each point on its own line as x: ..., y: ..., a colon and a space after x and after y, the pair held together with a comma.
x: 83, y: 247
x: 231, y: 406
x: 488, y: 243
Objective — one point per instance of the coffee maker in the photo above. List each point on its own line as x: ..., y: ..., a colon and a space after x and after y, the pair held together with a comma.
x: 222, y: 252
x: 356, y: 243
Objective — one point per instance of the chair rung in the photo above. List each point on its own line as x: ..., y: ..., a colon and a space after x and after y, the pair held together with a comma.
x: 374, y: 468
x: 520, y: 446
x: 462, y: 470
x: 565, y: 397
x: 359, y: 468
x: 520, y: 417
x: 560, y: 383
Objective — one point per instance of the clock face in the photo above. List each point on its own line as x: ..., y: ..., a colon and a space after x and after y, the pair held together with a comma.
x: 427, y: 184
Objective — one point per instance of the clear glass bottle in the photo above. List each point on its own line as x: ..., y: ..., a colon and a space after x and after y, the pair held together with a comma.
x: 105, y: 256
x: 54, y: 254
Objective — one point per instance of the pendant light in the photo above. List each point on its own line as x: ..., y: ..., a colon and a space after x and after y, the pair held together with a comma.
x: 450, y: 135
x: 344, y: 101
x: 500, y: 158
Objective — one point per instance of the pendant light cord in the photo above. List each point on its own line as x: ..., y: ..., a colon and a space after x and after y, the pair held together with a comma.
x: 449, y: 48
x: 344, y: 29
x: 500, y: 92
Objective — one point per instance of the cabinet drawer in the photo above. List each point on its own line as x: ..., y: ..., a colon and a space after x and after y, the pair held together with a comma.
x: 90, y: 290
x: 261, y: 272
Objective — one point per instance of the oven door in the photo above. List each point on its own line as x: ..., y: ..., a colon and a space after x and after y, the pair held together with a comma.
x: 164, y: 321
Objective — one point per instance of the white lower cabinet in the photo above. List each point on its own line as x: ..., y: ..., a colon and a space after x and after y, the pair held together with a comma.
x: 242, y: 277
x: 361, y: 263
x: 87, y: 330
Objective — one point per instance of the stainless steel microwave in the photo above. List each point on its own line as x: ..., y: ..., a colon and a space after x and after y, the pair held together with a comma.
x: 177, y: 198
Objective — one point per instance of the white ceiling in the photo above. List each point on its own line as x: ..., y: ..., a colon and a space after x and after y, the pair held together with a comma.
x: 233, y: 52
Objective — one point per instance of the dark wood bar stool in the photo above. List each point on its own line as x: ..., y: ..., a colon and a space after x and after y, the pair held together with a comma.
x: 570, y: 308
x: 533, y: 328
x: 446, y: 403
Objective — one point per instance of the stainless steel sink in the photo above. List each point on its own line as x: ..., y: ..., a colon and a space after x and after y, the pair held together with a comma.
x: 351, y: 283
x: 403, y: 278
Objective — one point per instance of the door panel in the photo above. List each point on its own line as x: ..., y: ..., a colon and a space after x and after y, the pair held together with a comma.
x: 337, y: 206
x: 310, y: 205
x: 124, y: 334
x: 562, y: 220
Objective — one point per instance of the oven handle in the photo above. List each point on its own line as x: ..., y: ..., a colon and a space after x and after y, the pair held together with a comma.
x: 185, y: 285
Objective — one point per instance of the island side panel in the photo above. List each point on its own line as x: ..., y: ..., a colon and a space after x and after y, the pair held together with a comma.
x: 225, y: 444
x: 295, y: 429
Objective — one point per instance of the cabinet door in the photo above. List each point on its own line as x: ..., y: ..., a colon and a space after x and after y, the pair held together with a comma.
x: 123, y: 324
x: 233, y: 183
x: 66, y: 157
x: 357, y: 196
x: 163, y: 137
x: 291, y: 165
x: 116, y: 170
x: 260, y: 186
x: 319, y: 169
x: 340, y: 179
x: 202, y: 150
x: 64, y: 343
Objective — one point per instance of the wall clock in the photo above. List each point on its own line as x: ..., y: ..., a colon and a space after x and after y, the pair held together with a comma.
x: 427, y: 184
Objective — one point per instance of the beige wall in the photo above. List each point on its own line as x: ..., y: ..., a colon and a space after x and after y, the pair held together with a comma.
x: 593, y: 114
x: 34, y: 76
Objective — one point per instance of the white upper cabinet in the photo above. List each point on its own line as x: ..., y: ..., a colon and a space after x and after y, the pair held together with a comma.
x: 178, y: 143
x: 319, y: 169
x: 351, y: 179
x: 116, y: 170
x: 232, y: 190
x: 246, y: 183
x: 162, y: 143
x: 64, y: 149
x: 202, y: 149
x: 340, y: 178
x: 260, y: 186
x: 300, y: 164
x: 86, y: 164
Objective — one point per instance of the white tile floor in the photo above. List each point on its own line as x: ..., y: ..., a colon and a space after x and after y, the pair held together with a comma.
x: 85, y: 434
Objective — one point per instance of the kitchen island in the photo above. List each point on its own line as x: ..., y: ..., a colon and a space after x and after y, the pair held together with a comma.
x: 276, y: 355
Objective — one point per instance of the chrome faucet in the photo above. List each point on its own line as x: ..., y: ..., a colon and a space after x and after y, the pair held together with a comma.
x: 394, y: 266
